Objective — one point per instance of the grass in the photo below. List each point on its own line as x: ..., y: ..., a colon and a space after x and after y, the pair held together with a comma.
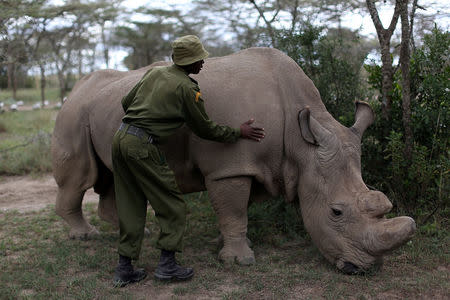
x: 25, y: 135
x: 29, y: 96
x: 38, y: 261
x: 25, y: 141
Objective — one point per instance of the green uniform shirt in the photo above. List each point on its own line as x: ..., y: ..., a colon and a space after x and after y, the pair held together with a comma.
x: 166, y: 98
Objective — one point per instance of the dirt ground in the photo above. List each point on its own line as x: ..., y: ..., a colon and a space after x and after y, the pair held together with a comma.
x: 25, y: 193
x: 305, y: 275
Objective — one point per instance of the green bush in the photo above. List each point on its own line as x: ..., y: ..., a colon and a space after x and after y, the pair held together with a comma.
x: 268, y: 219
x: 418, y: 187
x: 333, y: 61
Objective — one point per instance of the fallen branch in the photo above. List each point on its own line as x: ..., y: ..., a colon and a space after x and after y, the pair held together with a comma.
x: 32, y: 140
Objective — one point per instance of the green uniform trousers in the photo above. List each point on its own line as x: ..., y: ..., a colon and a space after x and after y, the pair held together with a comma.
x: 141, y: 173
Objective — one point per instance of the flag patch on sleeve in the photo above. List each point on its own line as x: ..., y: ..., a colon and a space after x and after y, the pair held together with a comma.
x: 197, y: 96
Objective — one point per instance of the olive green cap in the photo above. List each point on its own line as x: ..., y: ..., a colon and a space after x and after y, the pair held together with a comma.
x: 187, y: 50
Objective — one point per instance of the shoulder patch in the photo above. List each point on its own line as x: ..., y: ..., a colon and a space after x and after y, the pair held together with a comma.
x: 197, y: 96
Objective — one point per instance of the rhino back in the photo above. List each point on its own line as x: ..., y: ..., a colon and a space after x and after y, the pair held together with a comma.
x: 259, y: 83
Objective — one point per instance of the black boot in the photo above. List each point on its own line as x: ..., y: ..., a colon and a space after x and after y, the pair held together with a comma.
x: 169, y: 269
x: 125, y: 273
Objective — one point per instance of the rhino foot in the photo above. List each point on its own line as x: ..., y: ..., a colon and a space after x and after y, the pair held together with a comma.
x: 237, y: 252
x: 240, y: 260
x: 84, y: 234
x: 219, y: 241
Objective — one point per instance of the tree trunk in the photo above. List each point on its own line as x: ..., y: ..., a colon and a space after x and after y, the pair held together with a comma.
x: 67, y: 80
x: 406, y: 94
x: 80, y: 64
x: 294, y: 17
x: 387, y: 72
x: 12, y: 83
x: 62, y: 86
x: 43, y: 83
x: 105, y: 47
x: 384, y: 38
x: 268, y: 23
x: 411, y: 29
x: 92, y: 68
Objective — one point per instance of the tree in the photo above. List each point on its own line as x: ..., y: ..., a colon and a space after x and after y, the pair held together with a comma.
x: 16, y: 29
x: 417, y: 184
x: 151, y: 41
x: 384, y: 38
x: 14, y: 55
x: 38, y: 46
x: 335, y: 72
x: 70, y: 38
x: 148, y: 42
x: 108, y: 11
x: 404, y: 63
x: 259, y: 23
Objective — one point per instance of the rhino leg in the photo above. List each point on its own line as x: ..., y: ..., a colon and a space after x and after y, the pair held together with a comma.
x: 104, y: 186
x: 68, y: 206
x: 107, y: 210
x: 229, y: 198
x: 219, y: 241
x: 75, y: 171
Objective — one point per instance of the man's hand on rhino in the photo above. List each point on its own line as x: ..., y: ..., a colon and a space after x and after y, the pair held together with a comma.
x: 250, y: 132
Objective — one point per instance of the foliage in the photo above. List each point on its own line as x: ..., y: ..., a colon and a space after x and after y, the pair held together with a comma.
x: 263, y: 18
x: 148, y: 42
x: 420, y: 186
x: 335, y: 73
x: 25, y: 142
x: 268, y: 218
x: 28, y: 96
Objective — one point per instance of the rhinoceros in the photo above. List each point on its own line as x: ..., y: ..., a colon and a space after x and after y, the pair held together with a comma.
x: 307, y: 156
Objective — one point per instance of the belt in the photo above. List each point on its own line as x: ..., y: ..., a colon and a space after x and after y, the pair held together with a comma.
x: 139, y: 132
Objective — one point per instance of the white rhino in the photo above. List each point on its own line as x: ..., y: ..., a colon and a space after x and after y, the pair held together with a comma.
x: 307, y: 156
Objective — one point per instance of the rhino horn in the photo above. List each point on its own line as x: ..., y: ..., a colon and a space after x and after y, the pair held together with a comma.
x: 374, y: 203
x: 312, y: 131
x: 364, y: 117
x: 388, y: 235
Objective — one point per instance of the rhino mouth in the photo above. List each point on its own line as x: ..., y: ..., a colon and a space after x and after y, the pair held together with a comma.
x: 351, y: 269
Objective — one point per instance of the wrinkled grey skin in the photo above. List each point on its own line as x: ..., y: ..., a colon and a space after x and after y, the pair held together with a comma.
x: 307, y: 156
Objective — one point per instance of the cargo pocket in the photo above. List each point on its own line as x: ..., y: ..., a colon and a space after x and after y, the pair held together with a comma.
x: 138, y: 152
x: 156, y: 155
x: 161, y: 156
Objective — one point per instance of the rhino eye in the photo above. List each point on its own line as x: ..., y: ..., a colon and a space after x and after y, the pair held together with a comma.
x: 336, y: 212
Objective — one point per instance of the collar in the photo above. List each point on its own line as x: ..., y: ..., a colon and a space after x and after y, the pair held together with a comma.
x: 180, y: 69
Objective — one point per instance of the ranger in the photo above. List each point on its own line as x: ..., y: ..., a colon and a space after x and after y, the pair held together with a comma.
x: 160, y: 103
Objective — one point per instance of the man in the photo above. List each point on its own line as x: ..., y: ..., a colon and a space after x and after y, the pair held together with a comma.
x: 161, y: 102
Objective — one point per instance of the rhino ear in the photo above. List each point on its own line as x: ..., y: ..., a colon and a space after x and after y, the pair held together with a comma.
x: 312, y: 131
x: 303, y: 120
x: 364, y: 117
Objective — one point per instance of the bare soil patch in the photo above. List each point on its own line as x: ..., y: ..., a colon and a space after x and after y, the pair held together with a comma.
x: 25, y: 193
